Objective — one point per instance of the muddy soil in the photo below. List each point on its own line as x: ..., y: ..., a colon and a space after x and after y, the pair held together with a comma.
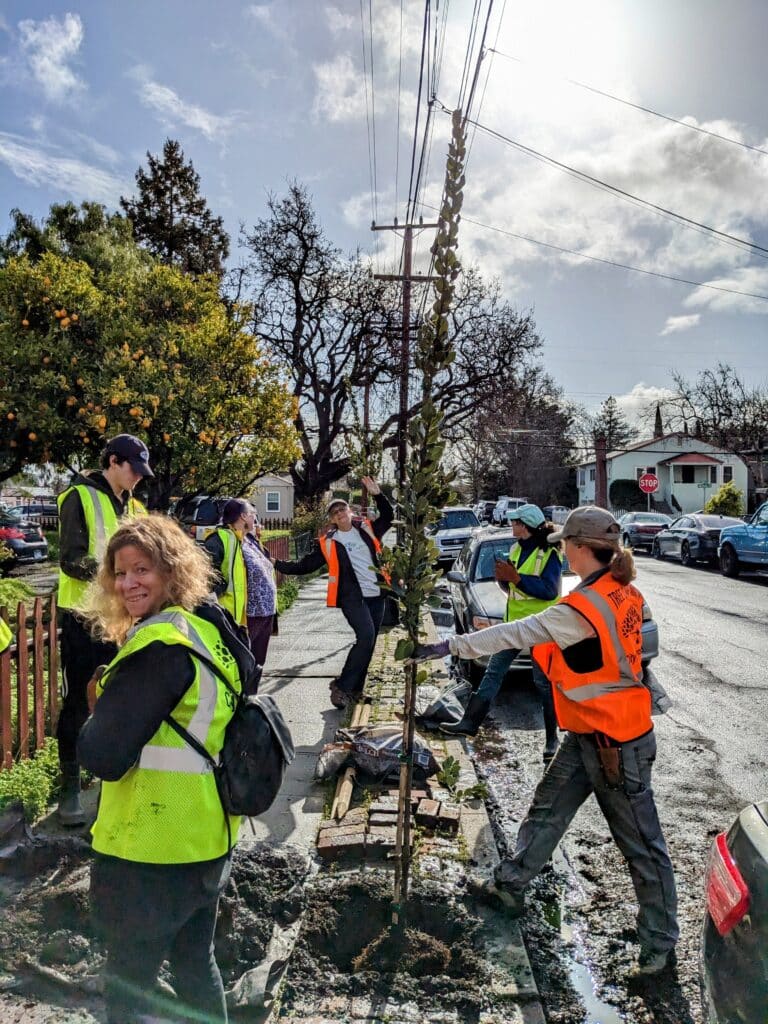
x: 50, y: 960
x: 579, y: 927
x: 345, y: 945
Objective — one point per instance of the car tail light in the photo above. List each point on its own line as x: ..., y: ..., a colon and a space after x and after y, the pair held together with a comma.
x: 727, y: 893
x: 11, y: 533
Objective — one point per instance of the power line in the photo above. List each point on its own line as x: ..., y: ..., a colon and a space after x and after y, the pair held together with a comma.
x: 373, y: 114
x: 397, y: 136
x: 411, y: 203
x: 646, y: 110
x: 610, y: 263
x: 623, y: 194
x: 367, y: 114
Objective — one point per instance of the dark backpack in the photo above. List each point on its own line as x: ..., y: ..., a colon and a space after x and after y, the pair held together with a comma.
x: 257, y: 750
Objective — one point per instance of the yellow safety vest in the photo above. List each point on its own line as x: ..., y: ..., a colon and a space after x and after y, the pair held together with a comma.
x: 6, y: 636
x: 232, y: 569
x: 519, y: 604
x: 101, y: 521
x: 166, y: 808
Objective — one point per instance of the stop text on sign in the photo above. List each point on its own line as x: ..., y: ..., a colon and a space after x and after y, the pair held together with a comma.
x: 648, y: 483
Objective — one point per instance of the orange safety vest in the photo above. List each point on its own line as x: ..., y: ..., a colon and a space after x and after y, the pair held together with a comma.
x: 331, y: 556
x: 610, y: 699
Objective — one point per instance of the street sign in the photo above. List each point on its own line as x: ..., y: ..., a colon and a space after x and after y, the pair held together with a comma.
x: 648, y: 483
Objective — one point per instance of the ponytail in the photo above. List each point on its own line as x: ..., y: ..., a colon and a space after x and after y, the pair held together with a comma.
x: 619, y: 560
x: 540, y: 536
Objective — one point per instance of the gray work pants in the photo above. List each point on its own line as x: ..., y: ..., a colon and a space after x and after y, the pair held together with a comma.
x: 631, y: 814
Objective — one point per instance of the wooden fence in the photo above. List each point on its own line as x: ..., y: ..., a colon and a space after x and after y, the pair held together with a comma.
x: 29, y: 673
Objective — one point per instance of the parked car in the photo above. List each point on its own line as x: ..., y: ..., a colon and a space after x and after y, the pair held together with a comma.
x: 639, y: 528
x: 44, y: 513
x: 734, y: 942
x: 745, y: 545
x: 477, y: 600
x: 23, y: 537
x: 484, y: 510
x: 555, y: 513
x: 692, y: 538
x: 504, y: 505
x: 450, y: 532
x: 200, y: 515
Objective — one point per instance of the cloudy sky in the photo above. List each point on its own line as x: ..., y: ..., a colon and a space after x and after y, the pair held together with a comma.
x: 261, y: 93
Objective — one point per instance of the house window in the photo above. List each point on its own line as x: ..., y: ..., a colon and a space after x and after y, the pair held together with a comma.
x: 582, y: 477
x: 727, y: 474
x: 640, y: 470
x: 713, y: 474
x: 685, y: 474
x: 592, y: 474
x: 273, y: 501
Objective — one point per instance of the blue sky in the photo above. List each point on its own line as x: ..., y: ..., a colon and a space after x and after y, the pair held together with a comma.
x: 261, y: 93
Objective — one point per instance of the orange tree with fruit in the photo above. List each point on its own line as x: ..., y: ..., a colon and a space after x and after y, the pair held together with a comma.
x: 152, y: 352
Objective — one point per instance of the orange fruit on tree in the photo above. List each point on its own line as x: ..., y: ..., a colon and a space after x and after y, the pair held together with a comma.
x: 25, y: 323
x: 32, y: 435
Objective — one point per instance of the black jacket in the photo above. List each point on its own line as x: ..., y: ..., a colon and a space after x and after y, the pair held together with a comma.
x: 141, y: 692
x: 349, y: 588
x: 73, y: 532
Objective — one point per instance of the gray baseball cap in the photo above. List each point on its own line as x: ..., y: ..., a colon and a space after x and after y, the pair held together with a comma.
x: 334, y: 504
x: 589, y: 524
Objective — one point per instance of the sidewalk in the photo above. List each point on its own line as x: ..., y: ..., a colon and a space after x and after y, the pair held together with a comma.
x: 302, y: 660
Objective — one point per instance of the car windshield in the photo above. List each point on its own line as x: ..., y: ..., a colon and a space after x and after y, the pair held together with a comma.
x: 650, y: 517
x: 487, y: 555
x: 716, y: 522
x: 457, y: 519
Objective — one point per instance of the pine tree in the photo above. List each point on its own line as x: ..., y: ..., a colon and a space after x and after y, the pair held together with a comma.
x: 611, y: 423
x: 172, y: 219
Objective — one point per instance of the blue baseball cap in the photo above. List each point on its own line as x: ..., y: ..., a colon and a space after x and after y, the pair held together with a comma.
x: 530, y: 515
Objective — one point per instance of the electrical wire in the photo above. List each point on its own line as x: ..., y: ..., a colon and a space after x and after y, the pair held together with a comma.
x: 397, y: 136
x: 723, y: 236
x: 367, y: 114
x: 424, y: 41
x: 480, y: 55
x: 646, y: 110
x: 610, y: 263
x: 373, y: 116
x: 492, y: 51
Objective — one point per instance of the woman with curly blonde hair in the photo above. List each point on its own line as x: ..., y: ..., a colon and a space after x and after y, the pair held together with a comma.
x: 161, y: 839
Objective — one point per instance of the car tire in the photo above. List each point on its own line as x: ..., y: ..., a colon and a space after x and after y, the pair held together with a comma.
x: 685, y: 555
x: 657, y: 552
x: 729, y: 562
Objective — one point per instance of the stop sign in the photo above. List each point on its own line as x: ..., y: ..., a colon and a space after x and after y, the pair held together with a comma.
x: 648, y: 483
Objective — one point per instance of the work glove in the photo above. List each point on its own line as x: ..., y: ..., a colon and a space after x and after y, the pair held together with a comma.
x: 428, y: 652
x: 505, y: 572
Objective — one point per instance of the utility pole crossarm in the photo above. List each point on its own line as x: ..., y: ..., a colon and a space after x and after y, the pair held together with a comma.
x: 414, y: 278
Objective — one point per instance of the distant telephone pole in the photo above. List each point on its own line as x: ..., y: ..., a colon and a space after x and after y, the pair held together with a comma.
x: 408, y: 278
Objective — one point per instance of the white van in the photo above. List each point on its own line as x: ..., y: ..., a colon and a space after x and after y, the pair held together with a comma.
x: 505, y: 505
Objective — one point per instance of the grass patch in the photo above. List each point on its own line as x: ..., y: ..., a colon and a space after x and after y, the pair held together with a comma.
x: 11, y: 592
x: 287, y: 593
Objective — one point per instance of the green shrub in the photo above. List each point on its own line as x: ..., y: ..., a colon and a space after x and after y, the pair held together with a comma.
x: 626, y: 494
x: 728, y: 501
x: 309, y: 517
x: 12, y: 591
x: 32, y: 783
x: 287, y: 593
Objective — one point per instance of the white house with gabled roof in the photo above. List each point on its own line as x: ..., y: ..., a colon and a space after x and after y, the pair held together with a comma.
x: 688, y: 469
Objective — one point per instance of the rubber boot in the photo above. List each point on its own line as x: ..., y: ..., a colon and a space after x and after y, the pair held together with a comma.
x: 71, y: 811
x: 473, y: 718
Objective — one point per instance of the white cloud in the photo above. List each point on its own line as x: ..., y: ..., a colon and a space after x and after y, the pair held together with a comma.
x: 172, y: 110
x: 338, y: 21
x: 48, y: 46
x: 45, y: 168
x: 340, y: 92
x: 680, y: 323
x: 743, y: 279
x: 639, y: 404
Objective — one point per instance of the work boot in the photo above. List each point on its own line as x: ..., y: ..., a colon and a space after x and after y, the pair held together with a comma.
x: 473, y: 718
x: 71, y: 811
x: 653, y: 962
x: 496, y: 894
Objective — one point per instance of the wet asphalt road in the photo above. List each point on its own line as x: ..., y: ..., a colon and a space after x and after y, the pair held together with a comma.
x: 712, y: 760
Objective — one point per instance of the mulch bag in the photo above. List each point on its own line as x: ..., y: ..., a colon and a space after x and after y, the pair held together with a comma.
x: 436, y: 706
x: 375, y: 750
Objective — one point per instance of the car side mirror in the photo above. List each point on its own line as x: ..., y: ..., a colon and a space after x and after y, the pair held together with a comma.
x: 454, y: 576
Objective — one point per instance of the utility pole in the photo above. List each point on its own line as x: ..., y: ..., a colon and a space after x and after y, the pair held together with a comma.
x: 408, y: 278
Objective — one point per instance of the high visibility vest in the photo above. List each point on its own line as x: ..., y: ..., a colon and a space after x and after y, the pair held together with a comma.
x: 6, y: 636
x: 520, y: 604
x: 166, y: 809
x: 235, y: 597
x: 101, y: 521
x: 331, y: 556
x: 610, y: 699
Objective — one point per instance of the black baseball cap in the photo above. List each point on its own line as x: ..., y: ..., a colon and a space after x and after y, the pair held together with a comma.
x: 126, y: 446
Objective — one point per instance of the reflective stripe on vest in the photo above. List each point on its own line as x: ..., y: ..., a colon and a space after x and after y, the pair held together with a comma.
x: 166, y: 808
x: 519, y: 604
x: 234, y: 598
x: 609, y: 699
